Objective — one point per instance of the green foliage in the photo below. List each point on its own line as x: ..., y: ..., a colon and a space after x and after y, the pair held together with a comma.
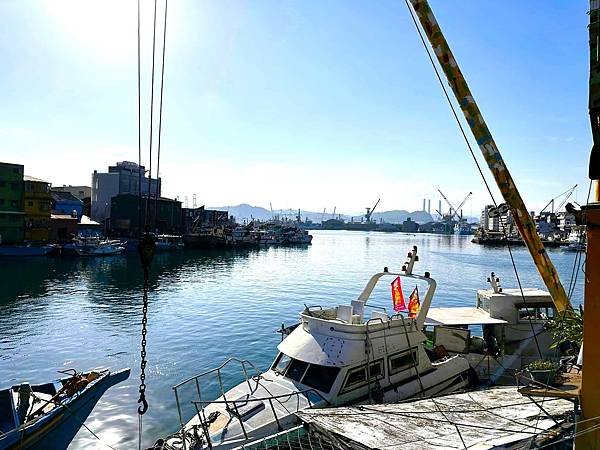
x: 542, y: 364
x: 568, y: 330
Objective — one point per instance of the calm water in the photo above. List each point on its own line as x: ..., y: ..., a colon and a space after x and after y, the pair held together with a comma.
x: 85, y: 313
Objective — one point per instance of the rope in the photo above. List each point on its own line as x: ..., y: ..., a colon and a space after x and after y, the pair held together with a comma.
x: 147, y: 221
x: 162, y: 80
x: 139, y: 95
x: 474, y: 159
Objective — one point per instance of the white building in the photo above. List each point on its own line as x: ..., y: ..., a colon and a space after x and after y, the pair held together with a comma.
x: 122, y: 178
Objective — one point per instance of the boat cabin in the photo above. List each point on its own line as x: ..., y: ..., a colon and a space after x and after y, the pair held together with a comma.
x: 504, y: 329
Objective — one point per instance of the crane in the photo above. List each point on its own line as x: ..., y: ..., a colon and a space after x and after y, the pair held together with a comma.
x: 449, y: 215
x: 453, y: 211
x: 370, y: 211
x: 333, y: 215
x: 462, y: 204
x: 567, y: 194
x: 323, y: 215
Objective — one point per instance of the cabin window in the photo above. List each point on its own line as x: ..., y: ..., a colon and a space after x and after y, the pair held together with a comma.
x: 403, y: 361
x: 358, y: 377
x: 281, y: 363
x: 320, y: 377
x: 535, y: 313
x: 296, y: 370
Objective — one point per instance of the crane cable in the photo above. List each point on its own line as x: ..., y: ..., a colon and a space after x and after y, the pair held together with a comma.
x: 147, y: 244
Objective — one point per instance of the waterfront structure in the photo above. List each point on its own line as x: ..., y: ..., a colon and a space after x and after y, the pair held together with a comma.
x: 125, y: 218
x: 122, y: 178
x: 37, y: 201
x: 80, y: 192
x: 193, y: 218
x: 409, y: 226
x: 66, y: 203
x: 11, y: 203
x: 63, y: 227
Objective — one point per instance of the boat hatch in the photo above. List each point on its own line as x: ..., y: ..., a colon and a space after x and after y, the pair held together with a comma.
x: 245, y: 407
x: 460, y: 316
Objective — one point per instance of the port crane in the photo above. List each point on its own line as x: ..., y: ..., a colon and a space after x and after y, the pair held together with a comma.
x: 370, y: 211
x: 323, y: 215
x: 566, y: 194
x: 453, y: 211
x: 333, y: 215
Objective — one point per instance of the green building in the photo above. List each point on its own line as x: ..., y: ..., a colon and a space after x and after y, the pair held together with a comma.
x: 124, y: 215
x: 12, y: 225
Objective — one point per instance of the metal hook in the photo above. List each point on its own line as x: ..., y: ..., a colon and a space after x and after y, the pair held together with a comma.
x: 144, y: 407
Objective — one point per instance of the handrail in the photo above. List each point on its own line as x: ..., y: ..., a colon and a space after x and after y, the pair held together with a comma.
x: 260, y: 399
x: 241, y: 361
x: 205, y: 425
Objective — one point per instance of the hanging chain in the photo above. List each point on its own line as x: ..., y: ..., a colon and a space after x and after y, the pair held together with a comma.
x: 146, y: 250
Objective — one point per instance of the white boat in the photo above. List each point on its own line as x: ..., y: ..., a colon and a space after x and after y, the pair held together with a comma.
x: 335, y: 356
x: 95, y: 246
x: 500, y: 334
x: 167, y: 243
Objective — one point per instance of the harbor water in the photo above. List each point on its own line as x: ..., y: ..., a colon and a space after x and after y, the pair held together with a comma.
x: 59, y: 313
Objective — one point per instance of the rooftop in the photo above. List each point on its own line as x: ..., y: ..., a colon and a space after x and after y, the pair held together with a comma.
x: 34, y: 179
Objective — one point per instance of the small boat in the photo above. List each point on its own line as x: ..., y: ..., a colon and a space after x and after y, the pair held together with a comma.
x: 94, y: 246
x: 505, y: 331
x: 350, y: 354
x: 167, y: 243
x: 49, y: 415
x: 28, y: 250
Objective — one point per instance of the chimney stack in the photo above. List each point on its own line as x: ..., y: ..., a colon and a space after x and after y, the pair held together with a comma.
x: 429, y: 206
x: 423, y: 204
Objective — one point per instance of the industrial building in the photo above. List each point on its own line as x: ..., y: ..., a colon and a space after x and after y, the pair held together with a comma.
x: 122, y: 178
x: 125, y: 215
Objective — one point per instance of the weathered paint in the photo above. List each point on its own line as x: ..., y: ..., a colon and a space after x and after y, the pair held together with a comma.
x: 491, y: 154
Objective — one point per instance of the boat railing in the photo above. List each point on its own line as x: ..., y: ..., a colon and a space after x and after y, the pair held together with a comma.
x: 282, y: 399
x: 245, y: 366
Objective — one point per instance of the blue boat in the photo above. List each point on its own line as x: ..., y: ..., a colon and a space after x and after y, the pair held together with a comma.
x: 28, y: 250
x: 49, y: 415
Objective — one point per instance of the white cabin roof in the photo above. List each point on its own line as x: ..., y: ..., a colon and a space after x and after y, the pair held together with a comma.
x: 460, y: 316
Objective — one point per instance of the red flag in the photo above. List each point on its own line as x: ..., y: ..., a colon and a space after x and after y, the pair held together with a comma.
x: 413, y: 303
x: 397, y: 295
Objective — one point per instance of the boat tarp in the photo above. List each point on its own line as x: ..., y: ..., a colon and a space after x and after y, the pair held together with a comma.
x: 486, y: 419
x: 460, y: 316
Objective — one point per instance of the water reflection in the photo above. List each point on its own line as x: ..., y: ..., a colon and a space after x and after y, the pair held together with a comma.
x: 206, y: 306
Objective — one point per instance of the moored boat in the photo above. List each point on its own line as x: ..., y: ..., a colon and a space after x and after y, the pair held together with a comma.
x: 49, y: 415
x: 353, y: 353
x: 28, y: 250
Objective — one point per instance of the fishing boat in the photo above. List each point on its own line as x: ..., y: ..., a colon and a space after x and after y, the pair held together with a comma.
x: 167, y: 243
x: 94, y: 246
x: 350, y: 354
x: 47, y: 416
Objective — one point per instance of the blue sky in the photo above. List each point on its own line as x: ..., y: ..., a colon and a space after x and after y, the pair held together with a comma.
x: 299, y: 103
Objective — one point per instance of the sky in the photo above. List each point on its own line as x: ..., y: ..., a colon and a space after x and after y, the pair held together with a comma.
x: 301, y: 104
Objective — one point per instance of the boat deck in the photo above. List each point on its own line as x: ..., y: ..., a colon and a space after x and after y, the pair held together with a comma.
x: 570, y: 389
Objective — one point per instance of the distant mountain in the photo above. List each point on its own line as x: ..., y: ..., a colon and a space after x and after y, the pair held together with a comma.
x: 247, y: 212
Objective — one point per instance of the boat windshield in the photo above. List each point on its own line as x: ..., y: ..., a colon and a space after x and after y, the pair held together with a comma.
x: 312, y: 375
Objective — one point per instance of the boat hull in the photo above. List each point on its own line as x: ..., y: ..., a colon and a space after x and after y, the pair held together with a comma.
x: 26, y: 251
x: 57, y: 429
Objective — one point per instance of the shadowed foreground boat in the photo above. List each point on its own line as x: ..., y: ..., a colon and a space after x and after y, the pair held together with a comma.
x: 49, y: 415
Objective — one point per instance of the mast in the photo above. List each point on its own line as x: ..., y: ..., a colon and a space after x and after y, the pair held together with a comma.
x: 492, y: 155
x: 590, y: 388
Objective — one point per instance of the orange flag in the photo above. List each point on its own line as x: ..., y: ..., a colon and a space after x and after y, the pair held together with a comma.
x: 413, y: 303
x: 397, y: 295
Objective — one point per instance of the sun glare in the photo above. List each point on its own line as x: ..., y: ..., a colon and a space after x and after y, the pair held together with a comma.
x: 106, y: 28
